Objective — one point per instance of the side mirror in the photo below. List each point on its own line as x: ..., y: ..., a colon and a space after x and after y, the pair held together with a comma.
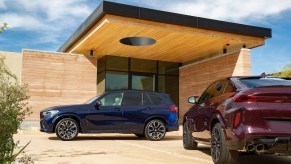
x: 98, y: 103
x: 192, y: 99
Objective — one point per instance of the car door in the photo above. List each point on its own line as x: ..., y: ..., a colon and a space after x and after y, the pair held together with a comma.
x: 201, y: 114
x: 106, y: 116
x: 211, y: 106
x: 136, y: 108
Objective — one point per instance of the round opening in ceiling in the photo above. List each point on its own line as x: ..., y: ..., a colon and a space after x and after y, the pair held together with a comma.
x: 137, y: 41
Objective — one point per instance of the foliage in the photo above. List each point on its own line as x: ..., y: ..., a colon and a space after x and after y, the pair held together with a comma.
x: 285, y: 73
x: 13, y: 110
x: 4, y: 27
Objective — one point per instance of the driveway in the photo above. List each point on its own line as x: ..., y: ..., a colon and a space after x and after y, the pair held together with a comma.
x: 122, y: 148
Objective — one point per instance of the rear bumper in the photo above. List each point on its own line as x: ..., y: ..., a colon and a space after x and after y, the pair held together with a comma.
x: 173, y: 127
x: 263, y: 144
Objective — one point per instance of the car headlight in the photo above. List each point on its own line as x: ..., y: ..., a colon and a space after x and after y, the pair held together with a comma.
x: 49, y: 113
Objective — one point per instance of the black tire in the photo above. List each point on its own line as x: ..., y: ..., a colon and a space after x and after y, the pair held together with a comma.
x: 155, y: 130
x: 219, y: 152
x: 140, y: 135
x: 67, y: 129
x: 188, y: 140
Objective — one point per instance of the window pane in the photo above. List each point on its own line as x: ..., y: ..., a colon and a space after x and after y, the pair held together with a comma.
x: 116, y: 80
x: 168, y: 68
x: 101, y: 65
x: 206, y: 94
x: 116, y: 63
x: 100, y: 83
x: 112, y: 99
x: 228, y: 88
x: 142, y: 65
x: 155, y: 98
x: 132, y: 99
x: 143, y: 82
x: 169, y: 85
x: 145, y: 99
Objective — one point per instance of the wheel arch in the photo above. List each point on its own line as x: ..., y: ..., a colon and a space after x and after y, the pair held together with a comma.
x: 158, y: 118
x: 72, y: 116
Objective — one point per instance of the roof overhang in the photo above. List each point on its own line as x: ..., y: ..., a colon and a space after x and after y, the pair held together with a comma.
x: 179, y: 38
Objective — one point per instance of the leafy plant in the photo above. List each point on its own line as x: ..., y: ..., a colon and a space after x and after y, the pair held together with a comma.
x: 13, y: 110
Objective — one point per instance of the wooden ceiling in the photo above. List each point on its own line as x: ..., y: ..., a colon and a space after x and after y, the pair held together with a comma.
x: 173, y: 42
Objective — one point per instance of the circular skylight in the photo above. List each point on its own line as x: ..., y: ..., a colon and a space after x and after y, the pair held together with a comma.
x: 137, y: 41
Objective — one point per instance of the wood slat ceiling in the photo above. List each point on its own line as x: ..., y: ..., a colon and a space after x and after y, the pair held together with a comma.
x: 173, y: 43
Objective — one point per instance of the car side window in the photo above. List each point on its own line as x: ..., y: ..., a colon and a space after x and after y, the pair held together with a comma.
x: 145, y: 99
x: 155, y: 98
x: 207, y: 94
x: 132, y: 99
x: 228, y: 88
x: 219, y: 88
x: 112, y: 99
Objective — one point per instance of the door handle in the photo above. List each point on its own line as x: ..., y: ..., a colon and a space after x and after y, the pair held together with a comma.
x: 147, y: 108
x: 117, y: 109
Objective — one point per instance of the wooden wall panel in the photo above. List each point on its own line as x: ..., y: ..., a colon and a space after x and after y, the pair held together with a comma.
x: 58, y: 79
x: 195, y: 78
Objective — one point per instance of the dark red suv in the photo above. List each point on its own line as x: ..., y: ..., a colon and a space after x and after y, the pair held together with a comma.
x: 241, y: 114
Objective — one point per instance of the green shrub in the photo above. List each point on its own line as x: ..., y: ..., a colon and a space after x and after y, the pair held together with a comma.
x: 13, y: 110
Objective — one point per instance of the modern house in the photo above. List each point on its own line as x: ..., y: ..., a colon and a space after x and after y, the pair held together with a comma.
x: 129, y: 47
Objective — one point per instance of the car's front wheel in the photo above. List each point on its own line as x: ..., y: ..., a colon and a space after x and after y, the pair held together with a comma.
x: 219, y: 152
x: 188, y: 141
x: 155, y: 130
x: 67, y: 129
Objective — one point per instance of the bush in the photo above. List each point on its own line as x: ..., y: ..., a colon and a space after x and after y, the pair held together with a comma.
x: 13, y: 110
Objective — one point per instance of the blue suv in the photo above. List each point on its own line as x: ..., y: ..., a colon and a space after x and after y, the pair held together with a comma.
x: 143, y: 113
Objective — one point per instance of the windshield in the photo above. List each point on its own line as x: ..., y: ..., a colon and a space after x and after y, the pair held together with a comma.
x: 265, y: 82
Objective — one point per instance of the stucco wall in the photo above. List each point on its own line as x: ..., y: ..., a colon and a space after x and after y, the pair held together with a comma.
x: 57, y: 79
x: 194, y: 78
x: 13, y: 61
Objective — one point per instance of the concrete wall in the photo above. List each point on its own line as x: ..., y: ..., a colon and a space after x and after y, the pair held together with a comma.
x: 57, y: 79
x: 195, y: 77
x: 13, y: 61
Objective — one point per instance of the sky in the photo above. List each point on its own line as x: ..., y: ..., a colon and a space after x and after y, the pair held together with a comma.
x: 47, y: 24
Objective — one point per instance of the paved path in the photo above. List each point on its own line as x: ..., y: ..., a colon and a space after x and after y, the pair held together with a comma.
x: 122, y: 149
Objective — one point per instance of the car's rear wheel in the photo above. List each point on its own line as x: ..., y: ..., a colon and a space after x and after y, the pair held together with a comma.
x: 188, y: 141
x: 67, y: 129
x: 219, y: 152
x: 155, y: 130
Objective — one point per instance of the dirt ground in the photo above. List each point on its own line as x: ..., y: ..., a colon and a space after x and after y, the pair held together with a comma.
x: 123, y: 149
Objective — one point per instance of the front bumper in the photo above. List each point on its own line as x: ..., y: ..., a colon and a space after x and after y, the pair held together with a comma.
x: 46, y: 125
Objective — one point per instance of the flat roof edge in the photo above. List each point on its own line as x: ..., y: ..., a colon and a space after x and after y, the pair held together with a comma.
x: 106, y: 7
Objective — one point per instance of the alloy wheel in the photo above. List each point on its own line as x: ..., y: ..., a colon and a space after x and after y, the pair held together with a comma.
x: 67, y: 129
x: 215, y: 144
x: 156, y: 130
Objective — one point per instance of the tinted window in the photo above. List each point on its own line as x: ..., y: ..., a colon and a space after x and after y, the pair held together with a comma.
x: 112, y: 99
x: 132, y: 99
x: 146, y: 100
x: 228, y: 87
x: 143, y: 65
x: 207, y: 94
x: 155, y: 98
x: 116, y: 80
x: 252, y: 83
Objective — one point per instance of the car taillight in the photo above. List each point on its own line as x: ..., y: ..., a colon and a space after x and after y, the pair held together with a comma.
x: 173, y: 108
x: 252, y: 98
x: 237, y: 119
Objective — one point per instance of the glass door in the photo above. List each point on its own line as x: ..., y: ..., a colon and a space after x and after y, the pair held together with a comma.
x: 143, y: 82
